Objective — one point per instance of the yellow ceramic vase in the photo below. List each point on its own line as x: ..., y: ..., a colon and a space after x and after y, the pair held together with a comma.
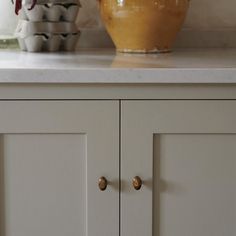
x: 143, y: 25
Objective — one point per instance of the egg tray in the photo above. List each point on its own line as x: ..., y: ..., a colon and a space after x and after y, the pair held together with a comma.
x: 50, y: 12
x: 27, y: 28
x: 49, y: 42
x: 47, y: 36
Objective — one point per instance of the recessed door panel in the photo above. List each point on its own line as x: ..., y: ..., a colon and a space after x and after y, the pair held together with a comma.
x: 194, y: 188
x: 45, y: 184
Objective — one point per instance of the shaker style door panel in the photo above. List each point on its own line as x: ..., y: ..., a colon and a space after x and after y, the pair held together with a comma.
x: 52, y: 154
x: 185, y: 154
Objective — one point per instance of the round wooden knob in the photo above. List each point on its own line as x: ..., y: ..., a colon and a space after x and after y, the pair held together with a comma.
x: 102, y: 183
x: 137, y: 182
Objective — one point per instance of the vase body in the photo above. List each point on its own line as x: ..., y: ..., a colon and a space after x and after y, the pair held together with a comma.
x: 143, y: 25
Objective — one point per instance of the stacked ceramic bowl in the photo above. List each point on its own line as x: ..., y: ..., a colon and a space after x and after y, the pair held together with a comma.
x: 49, y: 26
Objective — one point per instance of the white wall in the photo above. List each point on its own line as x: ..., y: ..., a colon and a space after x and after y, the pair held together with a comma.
x: 89, y: 15
x: 203, y: 14
x: 211, y: 14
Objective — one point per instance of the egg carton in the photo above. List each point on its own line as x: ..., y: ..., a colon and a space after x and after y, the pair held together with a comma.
x: 26, y: 28
x: 50, y: 12
x: 47, y: 36
x: 49, y: 42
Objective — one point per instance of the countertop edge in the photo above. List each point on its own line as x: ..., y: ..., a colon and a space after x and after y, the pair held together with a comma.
x: 119, y: 75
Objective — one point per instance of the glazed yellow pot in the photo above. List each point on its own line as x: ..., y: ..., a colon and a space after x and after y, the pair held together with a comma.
x: 143, y: 25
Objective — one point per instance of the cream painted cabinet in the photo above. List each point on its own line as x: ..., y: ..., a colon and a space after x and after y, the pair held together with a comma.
x: 185, y: 154
x: 52, y: 155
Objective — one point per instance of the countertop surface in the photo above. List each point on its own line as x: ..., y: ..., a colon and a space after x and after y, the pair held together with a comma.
x: 107, y: 66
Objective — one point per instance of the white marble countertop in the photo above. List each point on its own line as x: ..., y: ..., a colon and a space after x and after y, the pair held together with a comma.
x: 105, y: 66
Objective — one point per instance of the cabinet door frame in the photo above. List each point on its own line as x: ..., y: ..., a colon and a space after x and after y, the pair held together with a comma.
x: 99, y: 122
x: 140, y: 121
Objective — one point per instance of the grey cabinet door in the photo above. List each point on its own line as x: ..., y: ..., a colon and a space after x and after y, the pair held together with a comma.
x: 185, y: 154
x: 52, y: 154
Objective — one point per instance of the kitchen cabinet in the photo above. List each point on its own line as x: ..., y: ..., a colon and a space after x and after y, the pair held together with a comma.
x: 100, y: 144
x: 52, y: 156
